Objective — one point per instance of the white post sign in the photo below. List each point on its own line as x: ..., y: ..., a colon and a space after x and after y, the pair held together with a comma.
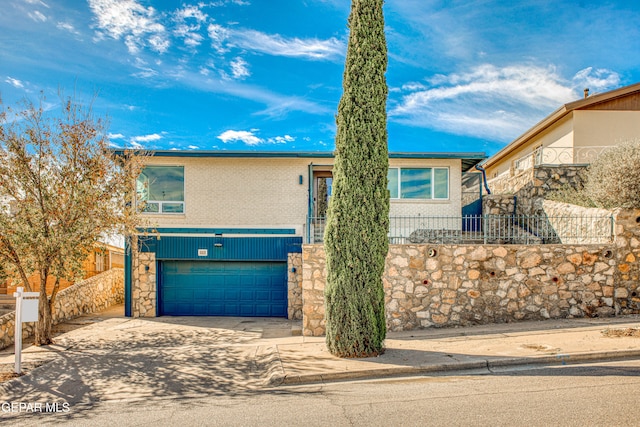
x: 26, y: 311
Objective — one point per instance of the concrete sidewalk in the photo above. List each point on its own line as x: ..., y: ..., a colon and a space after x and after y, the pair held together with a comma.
x: 106, y: 356
x: 480, y: 348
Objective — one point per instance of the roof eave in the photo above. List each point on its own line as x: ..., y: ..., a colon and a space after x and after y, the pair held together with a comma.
x: 557, y: 115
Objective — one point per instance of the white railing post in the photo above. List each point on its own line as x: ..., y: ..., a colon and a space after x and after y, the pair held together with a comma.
x: 26, y: 311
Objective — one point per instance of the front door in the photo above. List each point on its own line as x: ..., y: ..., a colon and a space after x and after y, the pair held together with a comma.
x: 471, y: 201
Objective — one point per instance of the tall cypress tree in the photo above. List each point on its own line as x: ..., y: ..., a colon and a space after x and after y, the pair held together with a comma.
x: 355, y: 239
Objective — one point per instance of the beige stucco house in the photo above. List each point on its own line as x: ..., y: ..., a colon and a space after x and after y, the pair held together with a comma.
x: 225, y: 222
x: 576, y: 133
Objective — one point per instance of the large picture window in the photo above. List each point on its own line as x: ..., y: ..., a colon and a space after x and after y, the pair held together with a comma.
x: 418, y: 183
x: 161, y: 189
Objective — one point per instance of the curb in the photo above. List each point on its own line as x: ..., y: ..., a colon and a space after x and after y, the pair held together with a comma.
x: 486, y: 365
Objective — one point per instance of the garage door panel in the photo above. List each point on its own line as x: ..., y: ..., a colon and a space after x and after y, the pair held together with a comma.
x: 263, y: 310
x: 247, y: 280
x: 216, y: 294
x: 263, y: 296
x: 215, y: 309
x: 247, y: 295
x: 278, y: 295
x: 201, y: 294
x: 223, y: 288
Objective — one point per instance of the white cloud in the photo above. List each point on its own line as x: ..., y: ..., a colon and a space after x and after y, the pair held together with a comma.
x: 129, y: 20
x: 281, y: 139
x: 239, y: 69
x: 193, y: 147
x: 115, y: 136
x: 275, y: 44
x: 191, y: 11
x: 14, y: 82
x: 159, y: 43
x: 145, y: 71
x: 218, y: 35
x: 66, y: 26
x: 37, y: 16
x: 222, y: 39
x: 491, y: 102
x: 596, y: 80
x: 250, y: 137
x: 240, y: 135
x: 188, y: 23
x: 146, y: 138
x: 189, y: 35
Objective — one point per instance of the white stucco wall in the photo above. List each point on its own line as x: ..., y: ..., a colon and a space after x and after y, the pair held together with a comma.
x: 602, y: 128
x: 266, y: 192
x: 560, y: 134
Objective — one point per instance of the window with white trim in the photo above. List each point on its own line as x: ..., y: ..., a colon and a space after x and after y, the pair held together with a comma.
x: 418, y: 183
x: 100, y: 261
x: 161, y: 189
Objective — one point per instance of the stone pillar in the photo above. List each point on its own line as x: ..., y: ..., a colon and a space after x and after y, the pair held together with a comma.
x: 314, y: 275
x: 294, y: 268
x: 143, y: 284
x: 626, y: 290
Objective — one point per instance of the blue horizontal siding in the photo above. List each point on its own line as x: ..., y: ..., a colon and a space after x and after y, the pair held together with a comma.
x: 221, y: 248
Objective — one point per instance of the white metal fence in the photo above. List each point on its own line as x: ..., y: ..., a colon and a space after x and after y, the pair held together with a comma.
x: 559, y: 156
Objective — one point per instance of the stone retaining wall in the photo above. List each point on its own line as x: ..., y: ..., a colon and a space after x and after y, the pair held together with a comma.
x: 531, y: 185
x: 569, y: 220
x: 88, y: 296
x: 450, y: 285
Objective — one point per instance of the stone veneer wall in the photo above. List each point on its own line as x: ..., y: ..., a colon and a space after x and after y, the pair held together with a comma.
x: 449, y: 285
x: 294, y: 282
x: 143, y: 284
x: 498, y: 204
x: 88, y: 296
x: 508, y: 184
x: 531, y: 185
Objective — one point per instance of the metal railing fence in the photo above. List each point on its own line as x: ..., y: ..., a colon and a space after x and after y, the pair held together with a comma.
x: 489, y: 229
x: 559, y: 156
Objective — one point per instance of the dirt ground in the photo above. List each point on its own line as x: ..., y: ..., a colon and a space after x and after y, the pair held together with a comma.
x: 627, y: 332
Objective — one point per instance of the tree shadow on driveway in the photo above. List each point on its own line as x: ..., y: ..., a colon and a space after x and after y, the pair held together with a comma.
x: 120, y: 359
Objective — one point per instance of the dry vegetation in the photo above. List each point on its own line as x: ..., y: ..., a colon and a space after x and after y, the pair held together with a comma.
x: 622, y: 332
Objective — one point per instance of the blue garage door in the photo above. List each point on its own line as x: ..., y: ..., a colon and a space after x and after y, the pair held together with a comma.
x: 214, y: 288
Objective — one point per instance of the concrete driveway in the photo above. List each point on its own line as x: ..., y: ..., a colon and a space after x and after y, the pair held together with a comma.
x: 109, y: 357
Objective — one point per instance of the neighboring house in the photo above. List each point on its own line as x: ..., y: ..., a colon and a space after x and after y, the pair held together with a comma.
x: 223, y: 223
x: 102, y: 258
x: 574, y: 134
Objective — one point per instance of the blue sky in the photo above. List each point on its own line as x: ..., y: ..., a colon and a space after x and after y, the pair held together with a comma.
x: 267, y: 74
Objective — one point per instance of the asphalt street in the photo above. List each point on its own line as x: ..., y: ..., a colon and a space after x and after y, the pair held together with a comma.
x: 578, y: 395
